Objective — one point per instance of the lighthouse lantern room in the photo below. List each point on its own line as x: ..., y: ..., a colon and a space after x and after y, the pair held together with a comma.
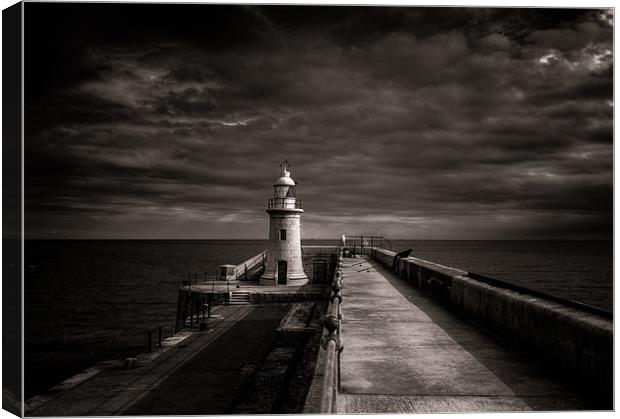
x: 284, y: 264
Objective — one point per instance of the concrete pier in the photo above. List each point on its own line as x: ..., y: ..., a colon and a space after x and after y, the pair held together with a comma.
x: 405, y: 352
x: 216, y: 371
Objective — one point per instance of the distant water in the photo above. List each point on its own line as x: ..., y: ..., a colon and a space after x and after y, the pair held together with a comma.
x: 90, y: 300
x: 576, y: 270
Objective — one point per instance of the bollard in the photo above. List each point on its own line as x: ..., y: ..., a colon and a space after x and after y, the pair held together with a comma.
x: 337, y: 286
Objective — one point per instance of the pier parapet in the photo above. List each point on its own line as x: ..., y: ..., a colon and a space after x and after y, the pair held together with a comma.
x: 323, y: 394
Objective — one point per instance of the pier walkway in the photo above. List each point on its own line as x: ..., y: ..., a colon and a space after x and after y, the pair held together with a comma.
x: 405, y: 352
x: 113, y: 391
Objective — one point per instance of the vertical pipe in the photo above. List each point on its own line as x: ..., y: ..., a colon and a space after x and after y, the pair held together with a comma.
x: 185, y: 302
x: 191, y: 312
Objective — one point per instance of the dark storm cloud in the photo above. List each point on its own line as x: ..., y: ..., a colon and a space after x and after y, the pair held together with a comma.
x: 409, y: 122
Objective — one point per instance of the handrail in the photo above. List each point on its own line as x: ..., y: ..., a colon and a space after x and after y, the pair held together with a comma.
x: 329, y: 390
x: 332, y: 343
x: 243, y: 267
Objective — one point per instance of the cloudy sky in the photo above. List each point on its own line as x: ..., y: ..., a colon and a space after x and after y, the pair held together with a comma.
x: 170, y: 121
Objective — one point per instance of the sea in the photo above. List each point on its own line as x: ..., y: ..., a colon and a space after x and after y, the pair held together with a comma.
x: 88, y: 301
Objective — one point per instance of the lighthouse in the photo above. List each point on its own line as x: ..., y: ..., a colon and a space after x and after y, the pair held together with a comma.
x: 284, y: 264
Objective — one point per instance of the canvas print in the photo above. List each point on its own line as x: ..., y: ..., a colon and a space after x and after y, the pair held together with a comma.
x: 287, y: 209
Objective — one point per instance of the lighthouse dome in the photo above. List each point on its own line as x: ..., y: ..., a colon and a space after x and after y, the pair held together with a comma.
x: 285, y: 176
x: 284, y: 181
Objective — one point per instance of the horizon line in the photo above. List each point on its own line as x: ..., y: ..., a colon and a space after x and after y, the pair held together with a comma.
x: 313, y: 239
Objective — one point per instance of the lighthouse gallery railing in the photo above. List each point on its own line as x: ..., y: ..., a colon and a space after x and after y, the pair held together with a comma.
x: 275, y: 203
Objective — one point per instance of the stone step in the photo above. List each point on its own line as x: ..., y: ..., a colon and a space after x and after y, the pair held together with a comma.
x: 239, y: 298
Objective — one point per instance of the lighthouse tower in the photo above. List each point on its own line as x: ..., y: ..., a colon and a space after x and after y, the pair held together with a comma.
x: 284, y: 262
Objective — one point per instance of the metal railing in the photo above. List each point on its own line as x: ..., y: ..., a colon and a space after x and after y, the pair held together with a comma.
x: 360, y: 244
x: 332, y: 343
x: 285, y: 203
x: 243, y: 269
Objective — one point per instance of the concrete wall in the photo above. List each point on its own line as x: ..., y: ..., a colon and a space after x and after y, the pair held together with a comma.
x: 280, y: 297
x: 319, y: 253
x: 577, y: 342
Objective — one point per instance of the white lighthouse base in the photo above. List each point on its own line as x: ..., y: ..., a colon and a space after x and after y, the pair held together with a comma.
x: 270, y: 277
x: 284, y: 250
